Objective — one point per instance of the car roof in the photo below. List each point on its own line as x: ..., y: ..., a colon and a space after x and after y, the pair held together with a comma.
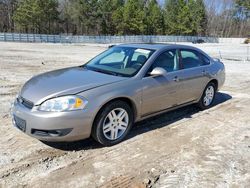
x: 155, y: 46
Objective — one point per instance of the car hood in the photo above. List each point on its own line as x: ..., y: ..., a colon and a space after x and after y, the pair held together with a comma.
x: 64, y: 82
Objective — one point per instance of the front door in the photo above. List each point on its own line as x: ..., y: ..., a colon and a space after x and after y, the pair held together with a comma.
x: 159, y: 93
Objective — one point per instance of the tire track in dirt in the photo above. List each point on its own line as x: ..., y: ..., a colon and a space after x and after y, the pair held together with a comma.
x: 133, y: 156
x: 108, y: 152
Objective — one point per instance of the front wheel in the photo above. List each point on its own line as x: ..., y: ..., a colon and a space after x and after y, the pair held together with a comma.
x: 208, y: 95
x: 113, y: 123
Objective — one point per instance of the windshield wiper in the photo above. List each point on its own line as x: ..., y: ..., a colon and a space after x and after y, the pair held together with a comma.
x: 103, y: 71
x: 83, y: 66
x: 107, y: 72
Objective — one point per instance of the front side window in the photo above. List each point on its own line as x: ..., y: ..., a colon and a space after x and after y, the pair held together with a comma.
x: 167, y: 60
x: 120, y: 61
x: 190, y: 59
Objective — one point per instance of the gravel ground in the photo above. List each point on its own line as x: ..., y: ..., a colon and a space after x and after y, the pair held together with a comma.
x: 183, y: 148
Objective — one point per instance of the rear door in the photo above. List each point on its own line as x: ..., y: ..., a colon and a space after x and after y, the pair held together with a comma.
x: 193, y: 75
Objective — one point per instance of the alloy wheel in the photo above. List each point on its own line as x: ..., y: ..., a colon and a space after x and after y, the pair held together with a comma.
x: 115, y: 123
x: 209, y: 96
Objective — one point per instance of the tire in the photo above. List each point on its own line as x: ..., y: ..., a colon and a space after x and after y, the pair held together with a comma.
x: 207, y: 98
x: 113, y: 123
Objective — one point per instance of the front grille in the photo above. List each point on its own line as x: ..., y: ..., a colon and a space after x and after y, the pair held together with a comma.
x: 28, y: 104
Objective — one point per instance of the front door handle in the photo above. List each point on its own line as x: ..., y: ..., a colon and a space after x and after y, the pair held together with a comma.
x: 176, y: 79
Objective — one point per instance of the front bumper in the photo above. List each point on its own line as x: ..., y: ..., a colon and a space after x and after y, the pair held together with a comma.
x: 52, y: 126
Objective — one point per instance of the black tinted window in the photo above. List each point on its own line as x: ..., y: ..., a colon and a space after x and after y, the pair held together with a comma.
x: 190, y: 59
x: 167, y: 60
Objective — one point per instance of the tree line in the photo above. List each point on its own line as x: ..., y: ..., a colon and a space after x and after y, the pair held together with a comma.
x: 127, y: 17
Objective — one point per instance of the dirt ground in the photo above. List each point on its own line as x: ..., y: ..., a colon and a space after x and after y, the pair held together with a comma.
x: 183, y: 148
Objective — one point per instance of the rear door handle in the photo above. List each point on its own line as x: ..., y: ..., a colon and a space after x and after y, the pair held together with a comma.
x: 176, y: 79
x: 204, y: 72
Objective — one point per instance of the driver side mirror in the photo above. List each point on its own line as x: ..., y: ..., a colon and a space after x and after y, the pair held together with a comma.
x: 158, y: 71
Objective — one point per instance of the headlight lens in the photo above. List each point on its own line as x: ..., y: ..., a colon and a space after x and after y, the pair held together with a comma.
x: 67, y: 103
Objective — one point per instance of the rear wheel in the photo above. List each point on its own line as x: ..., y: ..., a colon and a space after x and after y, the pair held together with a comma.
x: 113, y: 123
x: 208, y: 95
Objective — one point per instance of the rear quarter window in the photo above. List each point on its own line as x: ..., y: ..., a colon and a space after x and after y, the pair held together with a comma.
x: 205, y: 60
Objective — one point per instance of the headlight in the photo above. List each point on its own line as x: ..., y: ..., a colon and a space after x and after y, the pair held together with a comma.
x: 67, y: 103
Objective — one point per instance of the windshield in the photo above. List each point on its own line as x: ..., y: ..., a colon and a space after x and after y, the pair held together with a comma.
x: 120, y: 61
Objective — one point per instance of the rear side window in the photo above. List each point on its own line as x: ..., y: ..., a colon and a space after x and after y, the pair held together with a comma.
x: 190, y: 59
